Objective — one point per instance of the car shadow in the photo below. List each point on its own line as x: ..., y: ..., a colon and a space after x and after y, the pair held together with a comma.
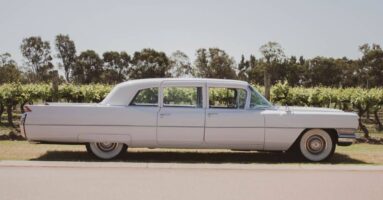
x: 197, y: 157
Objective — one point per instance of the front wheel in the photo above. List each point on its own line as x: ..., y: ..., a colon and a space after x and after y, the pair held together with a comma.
x: 105, y: 150
x: 316, y: 145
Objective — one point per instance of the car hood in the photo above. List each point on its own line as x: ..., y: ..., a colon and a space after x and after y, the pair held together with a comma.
x: 309, y: 117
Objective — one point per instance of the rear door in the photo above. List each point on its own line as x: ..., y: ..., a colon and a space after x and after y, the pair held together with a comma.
x: 182, y: 115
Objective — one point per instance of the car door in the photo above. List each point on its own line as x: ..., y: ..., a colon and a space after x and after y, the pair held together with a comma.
x: 182, y: 114
x: 140, y: 117
x: 229, y: 121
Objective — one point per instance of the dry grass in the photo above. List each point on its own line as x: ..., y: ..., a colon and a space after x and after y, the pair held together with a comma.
x: 368, y: 153
x: 23, y: 150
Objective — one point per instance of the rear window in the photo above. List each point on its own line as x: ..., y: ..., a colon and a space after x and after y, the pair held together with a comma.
x: 146, y: 97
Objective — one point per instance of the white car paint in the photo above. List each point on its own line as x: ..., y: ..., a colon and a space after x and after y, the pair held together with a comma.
x: 115, y: 120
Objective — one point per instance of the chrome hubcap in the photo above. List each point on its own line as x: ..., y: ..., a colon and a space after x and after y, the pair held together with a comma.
x: 315, y: 144
x: 106, y: 146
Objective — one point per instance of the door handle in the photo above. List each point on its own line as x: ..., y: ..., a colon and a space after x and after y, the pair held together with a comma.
x: 164, y: 114
x: 211, y: 114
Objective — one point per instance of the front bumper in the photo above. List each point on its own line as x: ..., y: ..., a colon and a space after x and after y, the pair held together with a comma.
x: 346, y: 136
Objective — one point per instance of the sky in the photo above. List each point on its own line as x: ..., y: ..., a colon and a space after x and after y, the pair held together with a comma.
x: 333, y: 28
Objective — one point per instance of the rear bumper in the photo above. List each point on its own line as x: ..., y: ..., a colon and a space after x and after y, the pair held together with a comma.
x: 346, y: 136
x: 22, y: 125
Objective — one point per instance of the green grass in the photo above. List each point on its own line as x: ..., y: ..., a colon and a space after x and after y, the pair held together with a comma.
x: 22, y: 150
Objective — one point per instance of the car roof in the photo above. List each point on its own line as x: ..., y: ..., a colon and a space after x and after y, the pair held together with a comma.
x: 122, y: 93
x: 195, y: 80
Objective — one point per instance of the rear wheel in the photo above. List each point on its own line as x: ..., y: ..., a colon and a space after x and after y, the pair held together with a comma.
x: 316, y: 145
x: 105, y: 150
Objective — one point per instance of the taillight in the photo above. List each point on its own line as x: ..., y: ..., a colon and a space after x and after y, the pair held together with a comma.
x: 27, y: 109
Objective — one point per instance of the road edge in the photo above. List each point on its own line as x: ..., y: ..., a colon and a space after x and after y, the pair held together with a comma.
x: 224, y: 166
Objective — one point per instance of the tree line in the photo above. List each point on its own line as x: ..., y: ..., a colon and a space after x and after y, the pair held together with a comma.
x: 112, y: 67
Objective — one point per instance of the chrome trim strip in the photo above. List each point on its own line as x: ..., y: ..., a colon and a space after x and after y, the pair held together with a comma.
x: 166, y: 126
x: 180, y: 126
x: 350, y: 136
x: 90, y: 125
x: 345, y: 130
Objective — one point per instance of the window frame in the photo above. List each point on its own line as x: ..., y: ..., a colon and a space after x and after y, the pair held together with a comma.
x: 251, y: 90
x: 182, y: 84
x: 139, y: 90
x: 183, y: 106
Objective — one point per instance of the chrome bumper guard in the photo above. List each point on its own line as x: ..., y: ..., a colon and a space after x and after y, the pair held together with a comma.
x: 22, y: 127
x: 346, y: 136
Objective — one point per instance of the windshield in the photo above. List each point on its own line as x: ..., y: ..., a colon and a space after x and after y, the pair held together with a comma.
x: 257, y: 100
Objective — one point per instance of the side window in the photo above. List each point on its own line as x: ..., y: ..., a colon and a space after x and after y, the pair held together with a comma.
x: 146, y: 97
x: 182, y: 97
x: 229, y: 98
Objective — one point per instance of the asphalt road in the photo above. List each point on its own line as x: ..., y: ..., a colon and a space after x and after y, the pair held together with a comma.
x: 71, y: 180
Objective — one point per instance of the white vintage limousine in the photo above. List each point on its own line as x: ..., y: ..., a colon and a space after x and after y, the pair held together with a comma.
x: 189, y: 113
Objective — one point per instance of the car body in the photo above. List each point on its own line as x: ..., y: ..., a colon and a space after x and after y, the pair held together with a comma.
x: 187, y: 113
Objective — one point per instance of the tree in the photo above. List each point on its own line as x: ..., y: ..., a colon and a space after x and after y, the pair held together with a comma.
x: 149, y: 63
x: 214, y: 63
x: 9, y: 71
x: 319, y: 70
x: 273, y: 54
x: 349, y: 72
x: 243, y: 66
x: 88, y: 68
x: 180, y: 65
x: 37, y: 53
x: 116, y: 66
x: 67, y: 53
x: 372, y: 64
x: 255, y: 72
x: 201, y: 64
x: 294, y: 71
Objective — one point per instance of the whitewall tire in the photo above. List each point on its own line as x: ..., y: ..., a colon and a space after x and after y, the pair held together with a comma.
x: 316, y: 145
x: 106, y: 150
